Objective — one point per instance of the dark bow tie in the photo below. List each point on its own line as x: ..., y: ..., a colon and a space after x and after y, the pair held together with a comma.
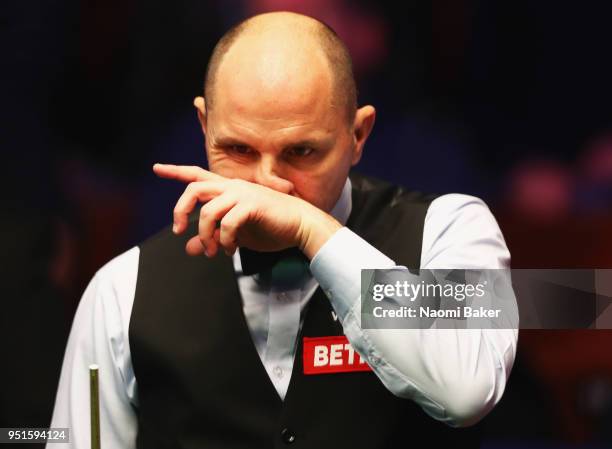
x: 255, y: 262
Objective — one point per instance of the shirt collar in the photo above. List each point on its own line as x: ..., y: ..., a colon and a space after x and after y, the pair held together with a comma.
x: 342, y: 209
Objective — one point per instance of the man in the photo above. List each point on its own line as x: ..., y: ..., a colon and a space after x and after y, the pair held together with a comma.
x: 211, y: 350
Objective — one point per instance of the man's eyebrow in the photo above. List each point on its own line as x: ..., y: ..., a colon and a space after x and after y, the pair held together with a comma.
x: 229, y: 142
x: 226, y: 141
x: 311, y: 143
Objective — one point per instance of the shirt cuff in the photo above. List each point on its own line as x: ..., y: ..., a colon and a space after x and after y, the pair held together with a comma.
x: 337, y: 267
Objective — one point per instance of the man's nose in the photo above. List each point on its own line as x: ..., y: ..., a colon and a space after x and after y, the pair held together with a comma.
x: 269, y: 174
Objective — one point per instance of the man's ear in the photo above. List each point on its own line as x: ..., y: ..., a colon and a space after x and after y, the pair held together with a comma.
x: 362, y: 126
x: 200, y: 105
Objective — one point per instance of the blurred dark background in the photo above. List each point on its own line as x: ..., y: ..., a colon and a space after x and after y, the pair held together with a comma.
x: 506, y: 100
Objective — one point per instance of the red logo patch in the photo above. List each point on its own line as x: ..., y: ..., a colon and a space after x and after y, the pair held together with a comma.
x: 324, y: 355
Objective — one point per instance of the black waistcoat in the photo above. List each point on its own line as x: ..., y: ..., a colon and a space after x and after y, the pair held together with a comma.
x: 201, y: 383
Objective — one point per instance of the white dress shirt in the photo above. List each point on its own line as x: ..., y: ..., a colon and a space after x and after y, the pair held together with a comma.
x: 455, y: 375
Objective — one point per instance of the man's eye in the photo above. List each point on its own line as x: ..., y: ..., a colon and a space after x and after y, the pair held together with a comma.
x: 239, y: 149
x: 300, y: 151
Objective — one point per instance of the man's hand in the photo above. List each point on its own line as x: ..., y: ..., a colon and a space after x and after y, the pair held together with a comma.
x: 251, y: 215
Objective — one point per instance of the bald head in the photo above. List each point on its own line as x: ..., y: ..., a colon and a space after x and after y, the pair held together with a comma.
x: 283, y: 54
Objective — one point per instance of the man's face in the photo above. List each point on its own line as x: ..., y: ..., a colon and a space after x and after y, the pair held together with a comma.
x: 282, y: 132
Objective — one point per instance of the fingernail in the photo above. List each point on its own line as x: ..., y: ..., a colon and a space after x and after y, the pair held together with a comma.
x: 174, y: 228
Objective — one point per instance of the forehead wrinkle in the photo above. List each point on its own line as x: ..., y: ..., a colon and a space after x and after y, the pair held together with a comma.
x: 264, y: 117
x: 270, y: 99
x: 233, y: 130
x: 320, y: 122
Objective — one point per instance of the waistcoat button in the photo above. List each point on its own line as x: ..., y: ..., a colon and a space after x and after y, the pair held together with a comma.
x: 287, y: 436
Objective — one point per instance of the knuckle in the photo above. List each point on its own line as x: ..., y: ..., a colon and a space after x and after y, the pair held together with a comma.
x: 190, y: 189
x: 227, y: 225
x: 227, y: 243
x: 203, y: 212
x: 206, y: 212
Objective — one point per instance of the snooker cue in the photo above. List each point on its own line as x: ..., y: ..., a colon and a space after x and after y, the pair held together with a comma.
x: 94, y: 401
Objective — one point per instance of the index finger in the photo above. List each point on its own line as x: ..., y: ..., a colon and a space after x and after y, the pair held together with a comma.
x: 185, y: 173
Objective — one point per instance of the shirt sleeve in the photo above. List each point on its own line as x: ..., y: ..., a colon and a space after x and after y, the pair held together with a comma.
x: 456, y: 375
x: 99, y: 336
